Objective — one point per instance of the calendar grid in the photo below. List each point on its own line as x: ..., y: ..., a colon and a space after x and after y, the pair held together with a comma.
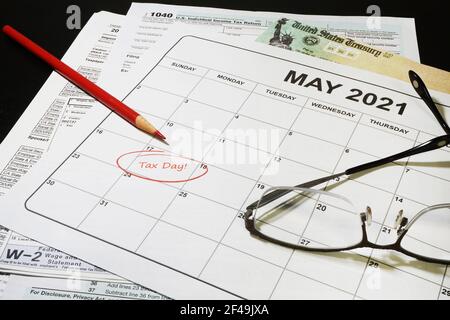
x: 207, y: 153
x: 168, y: 119
x: 302, y: 133
x: 101, y: 198
x: 442, y: 283
x: 291, y: 92
x: 290, y: 159
x: 269, y: 262
x: 200, y: 196
x: 249, y: 194
x: 211, y: 147
x: 315, y: 205
x: 385, y: 217
x: 260, y: 179
x: 112, y: 186
x: 275, y: 125
x: 225, y: 244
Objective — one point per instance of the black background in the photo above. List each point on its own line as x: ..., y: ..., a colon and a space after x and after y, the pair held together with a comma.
x: 45, y: 22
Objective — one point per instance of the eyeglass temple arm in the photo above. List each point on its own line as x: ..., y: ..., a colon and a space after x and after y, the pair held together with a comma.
x: 423, y: 92
x: 433, y: 144
x: 269, y: 197
x: 430, y: 145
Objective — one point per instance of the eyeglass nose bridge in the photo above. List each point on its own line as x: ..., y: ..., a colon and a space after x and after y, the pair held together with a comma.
x: 400, y: 223
x: 366, y: 217
x: 366, y: 221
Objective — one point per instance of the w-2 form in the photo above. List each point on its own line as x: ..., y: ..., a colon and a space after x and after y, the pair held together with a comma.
x: 240, y: 118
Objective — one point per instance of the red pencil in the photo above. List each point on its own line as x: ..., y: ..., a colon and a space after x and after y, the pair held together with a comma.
x: 87, y: 86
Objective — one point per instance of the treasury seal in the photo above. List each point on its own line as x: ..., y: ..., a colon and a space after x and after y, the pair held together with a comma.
x: 311, y: 40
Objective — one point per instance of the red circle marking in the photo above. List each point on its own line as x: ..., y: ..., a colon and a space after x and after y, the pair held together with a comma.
x: 157, y: 153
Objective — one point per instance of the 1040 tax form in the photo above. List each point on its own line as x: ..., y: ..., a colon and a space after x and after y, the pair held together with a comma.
x: 240, y: 118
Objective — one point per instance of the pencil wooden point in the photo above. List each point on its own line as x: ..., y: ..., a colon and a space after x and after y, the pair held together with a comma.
x: 146, y: 126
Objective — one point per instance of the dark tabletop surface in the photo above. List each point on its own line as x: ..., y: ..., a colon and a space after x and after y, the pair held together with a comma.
x: 44, y: 21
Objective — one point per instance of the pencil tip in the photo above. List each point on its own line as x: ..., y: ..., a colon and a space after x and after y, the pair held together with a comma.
x: 159, y: 135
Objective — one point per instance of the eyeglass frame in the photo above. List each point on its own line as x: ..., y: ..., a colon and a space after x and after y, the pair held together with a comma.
x: 404, y: 225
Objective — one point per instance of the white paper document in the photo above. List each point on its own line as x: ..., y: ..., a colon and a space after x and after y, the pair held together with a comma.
x: 21, y: 255
x: 37, y: 288
x: 67, y: 106
x: 147, y: 23
x: 3, y: 281
x: 240, y: 117
x: 58, y: 108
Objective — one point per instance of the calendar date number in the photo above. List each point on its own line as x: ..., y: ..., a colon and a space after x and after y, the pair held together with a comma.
x: 371, y: 99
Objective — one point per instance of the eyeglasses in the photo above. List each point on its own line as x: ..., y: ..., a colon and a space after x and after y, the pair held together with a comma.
x: 281, y: 212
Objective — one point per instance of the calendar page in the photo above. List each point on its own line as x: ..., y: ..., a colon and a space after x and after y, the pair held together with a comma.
x: 239, y: 121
